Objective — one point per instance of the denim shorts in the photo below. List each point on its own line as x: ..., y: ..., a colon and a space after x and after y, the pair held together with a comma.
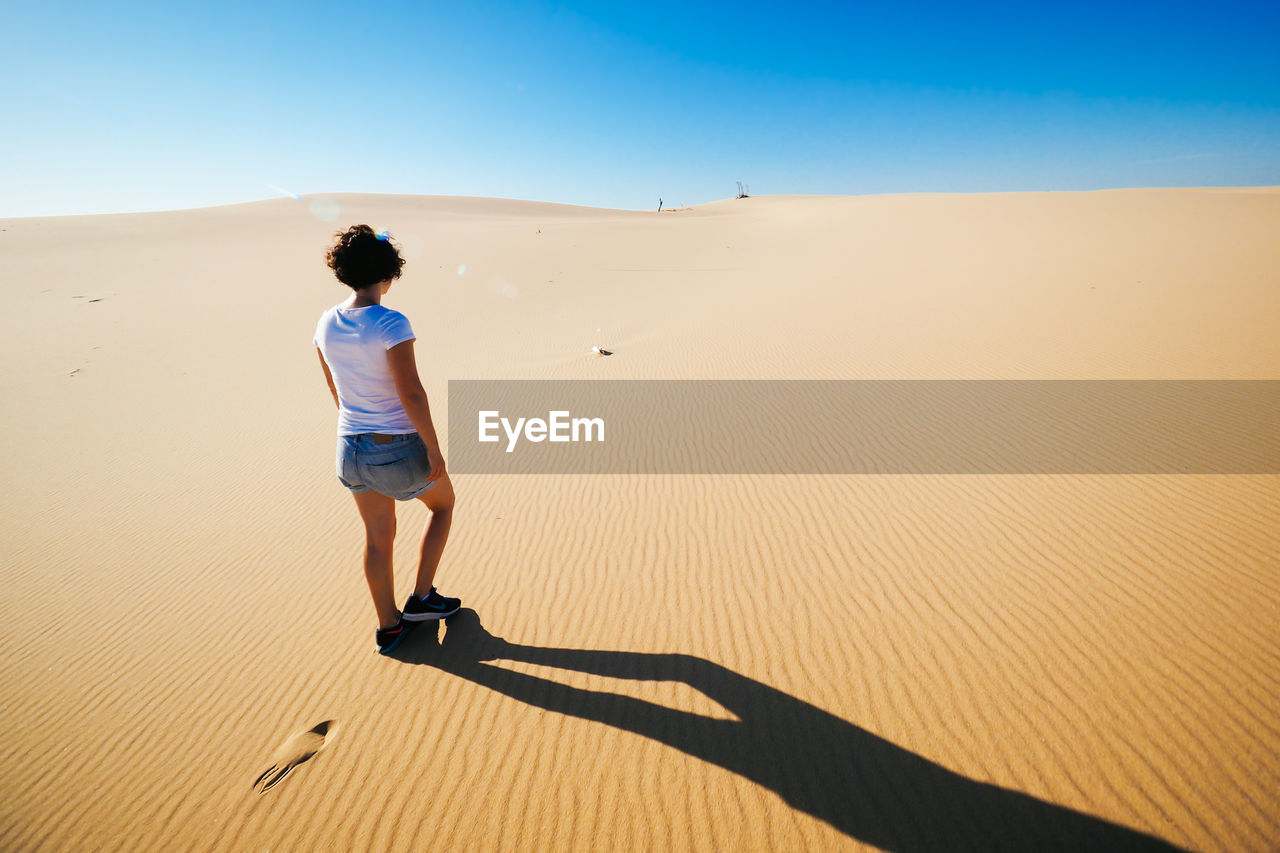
x: 397, y: 469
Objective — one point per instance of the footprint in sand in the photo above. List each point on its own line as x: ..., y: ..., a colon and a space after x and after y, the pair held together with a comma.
x: 298, y: 749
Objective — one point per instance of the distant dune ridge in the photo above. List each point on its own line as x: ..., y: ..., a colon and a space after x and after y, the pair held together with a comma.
x: 711, y: 662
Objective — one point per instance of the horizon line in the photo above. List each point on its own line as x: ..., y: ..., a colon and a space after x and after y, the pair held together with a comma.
x: 303, y: 197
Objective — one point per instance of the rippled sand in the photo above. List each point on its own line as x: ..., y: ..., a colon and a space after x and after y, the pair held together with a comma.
x: 646, y: 662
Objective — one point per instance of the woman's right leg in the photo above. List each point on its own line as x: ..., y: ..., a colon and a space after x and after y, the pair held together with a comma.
x: 379, y: 514
x: 439, y: 500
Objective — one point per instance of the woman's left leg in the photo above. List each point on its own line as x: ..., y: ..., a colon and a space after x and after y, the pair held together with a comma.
x: 379, y: 514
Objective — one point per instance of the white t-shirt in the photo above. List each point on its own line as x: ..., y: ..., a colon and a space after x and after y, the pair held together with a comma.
x: 354, y: 342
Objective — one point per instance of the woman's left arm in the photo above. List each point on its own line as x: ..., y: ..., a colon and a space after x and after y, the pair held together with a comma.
x: 328, y: 377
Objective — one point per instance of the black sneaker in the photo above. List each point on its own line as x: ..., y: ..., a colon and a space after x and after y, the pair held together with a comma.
x: 389, y: 639
x: 431, y: 606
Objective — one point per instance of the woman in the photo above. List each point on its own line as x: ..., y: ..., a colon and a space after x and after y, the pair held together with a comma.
x: 387, y: 447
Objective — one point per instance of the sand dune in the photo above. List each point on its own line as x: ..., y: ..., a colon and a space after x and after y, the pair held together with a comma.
x: 646, y: 662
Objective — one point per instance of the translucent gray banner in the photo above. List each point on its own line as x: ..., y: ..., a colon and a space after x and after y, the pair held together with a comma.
x: 864, y: 427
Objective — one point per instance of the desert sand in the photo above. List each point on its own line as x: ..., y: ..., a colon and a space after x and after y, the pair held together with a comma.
x: 645, y: 662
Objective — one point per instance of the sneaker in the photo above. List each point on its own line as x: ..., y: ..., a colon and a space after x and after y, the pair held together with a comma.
x: 389, y: 639
x: 431, y: 606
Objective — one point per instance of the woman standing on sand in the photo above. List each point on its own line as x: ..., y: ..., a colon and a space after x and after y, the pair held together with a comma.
x: 387, y: 446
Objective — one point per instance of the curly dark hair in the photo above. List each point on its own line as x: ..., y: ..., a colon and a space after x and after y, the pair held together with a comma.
x: 362, y: 257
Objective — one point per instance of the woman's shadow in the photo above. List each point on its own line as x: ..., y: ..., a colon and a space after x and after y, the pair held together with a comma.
x: 859, y: 783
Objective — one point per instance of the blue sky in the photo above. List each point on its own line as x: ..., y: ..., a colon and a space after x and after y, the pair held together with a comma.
x: 128, y: 106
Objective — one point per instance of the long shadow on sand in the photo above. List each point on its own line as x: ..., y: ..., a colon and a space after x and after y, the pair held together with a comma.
x: 859, y: 783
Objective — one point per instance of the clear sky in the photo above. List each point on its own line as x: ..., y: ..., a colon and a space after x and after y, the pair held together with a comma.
x: 126, y: 106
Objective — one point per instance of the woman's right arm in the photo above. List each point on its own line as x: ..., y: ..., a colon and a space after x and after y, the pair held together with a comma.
x: 404, y: 371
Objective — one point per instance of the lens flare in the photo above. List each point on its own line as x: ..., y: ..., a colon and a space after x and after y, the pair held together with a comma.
x: 284, y: 192
x: 462, y: 269
x: 500, y: 286
x: 325, y: 209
